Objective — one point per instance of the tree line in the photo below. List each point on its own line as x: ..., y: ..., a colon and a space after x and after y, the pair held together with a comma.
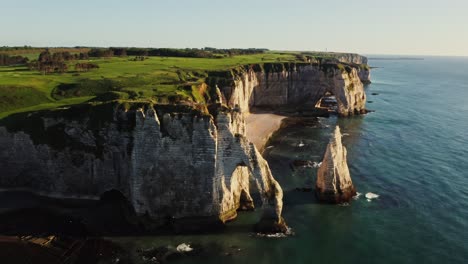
x: 169, y: 52
x: 48, y: 62
x: 6, y: 60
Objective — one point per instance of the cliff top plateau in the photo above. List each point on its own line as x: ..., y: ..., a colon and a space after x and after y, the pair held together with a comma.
x: 37, y: 78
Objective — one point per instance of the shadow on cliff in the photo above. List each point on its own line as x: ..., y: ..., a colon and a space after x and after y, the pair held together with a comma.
x: 26, y: 214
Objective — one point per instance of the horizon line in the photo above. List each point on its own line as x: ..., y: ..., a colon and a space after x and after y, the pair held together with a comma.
x: 277, y: 50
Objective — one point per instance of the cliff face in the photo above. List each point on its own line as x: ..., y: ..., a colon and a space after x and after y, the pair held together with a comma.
x: 351, y: 58
x: 168, y: 165
x: 300, y: 84
x: 364, y: 75
x: 334, y: 183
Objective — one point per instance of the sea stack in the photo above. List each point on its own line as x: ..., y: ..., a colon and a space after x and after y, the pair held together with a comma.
x: 334, y: 184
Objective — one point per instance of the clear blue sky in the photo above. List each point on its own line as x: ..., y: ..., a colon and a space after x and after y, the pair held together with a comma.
x: 364, y: 26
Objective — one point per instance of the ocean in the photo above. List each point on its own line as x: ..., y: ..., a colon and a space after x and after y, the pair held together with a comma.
x: 412, y: 152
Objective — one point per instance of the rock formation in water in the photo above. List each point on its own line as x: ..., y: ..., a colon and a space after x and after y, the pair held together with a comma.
x: 334, y: 184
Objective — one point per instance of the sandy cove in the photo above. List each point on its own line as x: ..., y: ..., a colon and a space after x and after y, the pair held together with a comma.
x: 261, y: 126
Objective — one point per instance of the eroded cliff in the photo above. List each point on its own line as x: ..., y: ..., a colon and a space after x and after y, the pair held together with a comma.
x: 170, y: 164
x: 295, y: 84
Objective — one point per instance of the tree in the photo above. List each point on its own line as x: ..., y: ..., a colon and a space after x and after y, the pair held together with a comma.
x: 44, y: 56
x: 84, y: 56
x: 49, y: 63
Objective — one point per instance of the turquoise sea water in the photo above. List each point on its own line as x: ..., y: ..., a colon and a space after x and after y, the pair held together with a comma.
x: 412, y: 152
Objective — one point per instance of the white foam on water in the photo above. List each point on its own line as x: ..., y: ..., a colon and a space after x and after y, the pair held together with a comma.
x: 358, y: 194
x: 370, y: 196
x: 289, y: 232
x: 301, y: 144
x: 316, y: 164
x: 184, y: 248
x: 345, y: 134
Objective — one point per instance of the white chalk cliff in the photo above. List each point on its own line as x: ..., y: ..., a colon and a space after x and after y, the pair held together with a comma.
x: 175, y: 165
x: 297, y: 84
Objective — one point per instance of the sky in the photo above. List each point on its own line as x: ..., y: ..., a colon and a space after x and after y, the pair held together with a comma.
x: 406, y: 27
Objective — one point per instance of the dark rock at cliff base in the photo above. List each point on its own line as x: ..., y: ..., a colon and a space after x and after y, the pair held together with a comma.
x: 332, y: 197
x: 54, y: 250
x: 356, y: 112
x: 197, y: 225
x: 303, y: 189
x: 334, y: 183
x: 271, y: 226
x: 302, y: 163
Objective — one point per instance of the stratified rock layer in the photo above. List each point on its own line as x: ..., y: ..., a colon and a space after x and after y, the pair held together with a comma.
x: 334, y: 184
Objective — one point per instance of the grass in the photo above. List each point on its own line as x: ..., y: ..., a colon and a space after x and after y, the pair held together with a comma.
x: 50, y: 105
x: 159, y: 79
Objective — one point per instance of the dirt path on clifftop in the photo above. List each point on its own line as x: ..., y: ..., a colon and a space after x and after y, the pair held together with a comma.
x: 260, y: 126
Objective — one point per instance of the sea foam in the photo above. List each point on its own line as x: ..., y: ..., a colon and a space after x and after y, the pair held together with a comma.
x: 358, y: 194
x: 289, y: 232
x: 370, y: 196
x: 184, y: 248
x: 317, y: 164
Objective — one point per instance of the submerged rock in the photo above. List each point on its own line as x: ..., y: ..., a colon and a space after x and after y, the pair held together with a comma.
x: 334, y: 184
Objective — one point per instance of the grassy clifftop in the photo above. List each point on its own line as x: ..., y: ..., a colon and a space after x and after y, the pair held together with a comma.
x: 156, y: 79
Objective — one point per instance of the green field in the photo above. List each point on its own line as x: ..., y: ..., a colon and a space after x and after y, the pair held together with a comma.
x: 156, y: 79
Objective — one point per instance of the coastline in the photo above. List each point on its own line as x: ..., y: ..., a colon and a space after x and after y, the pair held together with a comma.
x: 261, y: 126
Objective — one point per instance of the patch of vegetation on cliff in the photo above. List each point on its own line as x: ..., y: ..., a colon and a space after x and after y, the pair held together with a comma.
x: 13, y: 97
x: 364, y: 67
